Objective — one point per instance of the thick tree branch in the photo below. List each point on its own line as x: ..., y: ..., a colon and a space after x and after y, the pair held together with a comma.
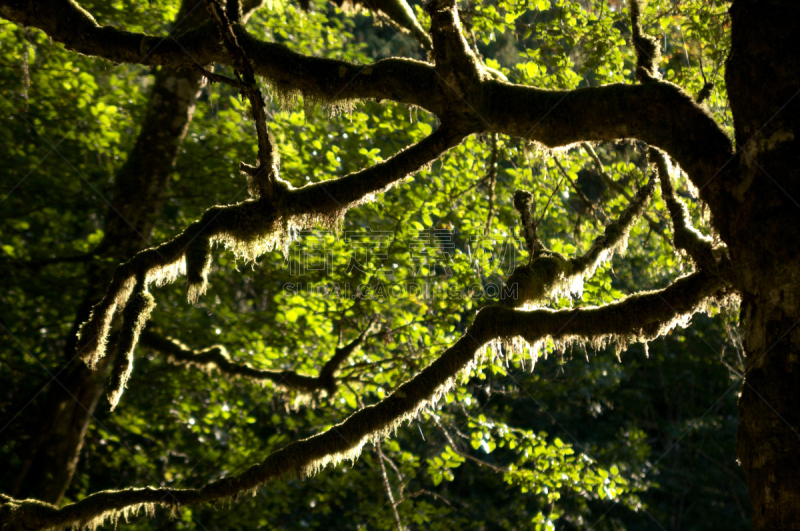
x: 453, y: 57
x: 658, y: 113
x: 322, y: 80
x: 250, y: 228
x: 217, y: 357
x: 642, y: 316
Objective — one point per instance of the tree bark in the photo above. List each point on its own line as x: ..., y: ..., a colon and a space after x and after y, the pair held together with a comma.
x: 762, y: 231
x: 139, y: 193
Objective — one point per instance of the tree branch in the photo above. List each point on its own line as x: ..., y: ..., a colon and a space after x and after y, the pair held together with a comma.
x: 614, y: 185
x: 453, y: 57
x: 400, y: 14
x: 593, y: 208
x: 216, y: 357
x: 639, y: 317
x: 551, y: 273
x: 322, y: 80
x: 491, y: 175
x: 697, y: 246
x: 658, y: 113
x: 263, y: 179
x: 250, y: 228
x: 645, y: 47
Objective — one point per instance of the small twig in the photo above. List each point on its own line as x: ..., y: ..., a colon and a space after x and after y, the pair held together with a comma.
x: 388, y: 487
x: 217, y: 78
x: 547, y: 205
x: 523, y: 201
x: 492, y: 177
x: 589, y: 205
x: 499, y: 470
x: 614, y: 185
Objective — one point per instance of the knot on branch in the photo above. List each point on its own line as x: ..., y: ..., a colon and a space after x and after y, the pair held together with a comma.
x: 704, y: 93
x: 523, y: 203
x: 263, y: 182
x: 531, y: 283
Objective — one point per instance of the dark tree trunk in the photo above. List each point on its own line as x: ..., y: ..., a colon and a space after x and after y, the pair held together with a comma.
x: 139, y: 192
x: 762, y: 230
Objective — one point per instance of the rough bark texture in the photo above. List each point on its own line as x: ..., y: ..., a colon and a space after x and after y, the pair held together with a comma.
x: 762, y: 231
x: 139, y: 193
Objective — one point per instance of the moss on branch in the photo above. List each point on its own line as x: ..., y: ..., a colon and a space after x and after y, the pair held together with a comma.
x: 685, y: 236
x: 640, y: 317
x: 249, y: 229
x: 550, y: 273
x: 660, y: 114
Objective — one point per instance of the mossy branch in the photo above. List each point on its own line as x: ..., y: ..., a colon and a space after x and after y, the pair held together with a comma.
x: 453, y: 58
x: 216, y: 357
x: 646, y: 48
x: 551, y: 273
x: 134, y: 317
x: 639, y: 317
x: 660, y: 114
x: 523, y: 203
x: 698, y: 247
x: 615, y: 235
x: 249, y: 229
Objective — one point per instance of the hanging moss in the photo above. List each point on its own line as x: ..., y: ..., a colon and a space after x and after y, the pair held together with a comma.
x: 93, y: 334
x: 546, y: 275
x: 134, y: 317
x: 198, y: 264
x: 686, y: 238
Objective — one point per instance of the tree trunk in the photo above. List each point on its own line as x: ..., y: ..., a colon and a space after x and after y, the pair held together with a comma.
x: 139, y: 193
x: 763, y: 233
